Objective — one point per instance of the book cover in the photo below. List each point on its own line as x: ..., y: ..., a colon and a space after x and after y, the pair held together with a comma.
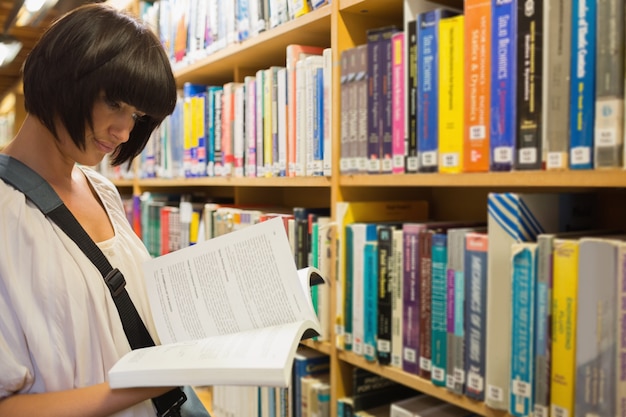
x: 384, y: 294
x: 596, y: 360
x: 398, y: 136
x: 519, y: 217
x: 396, y: 298
x: 529, y: 144
x: 475, y: 265
x: 503, y: 136
x: 428, y: 87
x: 370, y: 299
x: 439, y: 334
x: 555, y: 94
x: 190, y: 326
x: 564, y: 302
x: 609, y: 100
x: 582, y: 83
x: 411, y: 162
x: 359, y: 118
x: 523, y: 268
x: 411, y: 298
x: 346, y: 97
x: 451, y: 94
x: 477, y: 86
x: 350, y: 212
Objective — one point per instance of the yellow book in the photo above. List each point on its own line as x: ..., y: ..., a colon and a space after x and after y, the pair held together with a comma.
x: 565, y: 287
x: 365, y: 211
x: 451, y: 96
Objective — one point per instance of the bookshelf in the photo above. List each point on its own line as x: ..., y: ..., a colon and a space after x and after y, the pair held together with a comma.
x: 342, y: 25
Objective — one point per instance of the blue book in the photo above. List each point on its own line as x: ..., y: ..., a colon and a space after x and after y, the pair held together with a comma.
x: 318, y: 123
x: 427, y: 88
x: 210, y: 124
x: 370, y: 299
x: 503, y: 85
x: 476, y: 246
x: 439, y: 335
x: 194, y: 99
x: 524, y: 274
x: 582, y: 83
x: 306, y: 362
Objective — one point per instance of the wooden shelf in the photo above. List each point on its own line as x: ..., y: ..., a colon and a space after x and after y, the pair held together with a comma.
x: 420, y: 384
x: 262, y: 51
x: 518, y: 179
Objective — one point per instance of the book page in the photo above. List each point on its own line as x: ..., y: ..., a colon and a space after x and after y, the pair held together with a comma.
x: 239, y: 281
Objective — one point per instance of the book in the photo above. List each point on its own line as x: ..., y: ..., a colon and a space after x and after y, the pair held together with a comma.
x: 564, y: 300
x: 609, y: 99
x: 451, y: 90
x: 582, y: 84
x: 503, y: 135
x: 414, y: 406
x: 398, y: 135
x: 411, y: 162
x: 475, y: 264
x: 596, y: 360
x: 307, y: 362
x: 396, y: 297
x: 212, y: 301
x: 477, y: 85
x: 529, y: 144
x: 620, y: 332
x: 524, y: 275
x: 556, y: 63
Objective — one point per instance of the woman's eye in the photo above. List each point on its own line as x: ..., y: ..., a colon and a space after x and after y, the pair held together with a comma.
x: 114, y: 105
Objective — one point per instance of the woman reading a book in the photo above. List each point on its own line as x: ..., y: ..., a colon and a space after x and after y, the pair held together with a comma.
x: 97, y: 83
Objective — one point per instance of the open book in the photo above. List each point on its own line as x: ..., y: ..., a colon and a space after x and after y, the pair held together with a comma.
x: 228, y: 311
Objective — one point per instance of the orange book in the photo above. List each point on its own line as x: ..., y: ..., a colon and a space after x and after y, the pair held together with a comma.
x: 477, y: 81
x: 295, y: 52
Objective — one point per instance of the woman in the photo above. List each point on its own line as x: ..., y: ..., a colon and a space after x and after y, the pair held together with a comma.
x: 97, y: 83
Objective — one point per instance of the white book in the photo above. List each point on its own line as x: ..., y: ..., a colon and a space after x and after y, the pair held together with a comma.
x: 281, y: 109
x: 214, y: 308
x: 239, y: 140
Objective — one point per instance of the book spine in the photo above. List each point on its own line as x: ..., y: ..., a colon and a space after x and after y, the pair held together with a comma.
x: 522, y: 326
x: 268, y: 122
x: 396, y: 298
x: 374, y: 99
x: 328, y: 118
x: 238, y: 132
x: 455, y: 311
x: 439, y: 338
x: 477, y: 85
x: 359, y: 159
x: 260, y: 123
x: 318, y: 122
x: 475, y: 261
x: 280, y: 164
x: 411, y: 162
x: 543, y: 325
x: 347, y: 288
x: 228, y: 114
x: 427, y: 89
x: 370, y: 299
x: 397, y: 99
x: 596, y: 360
x: 411, y: 299
x: 503, y: 85
x: 451, y: 124
x: 582, y: 84
x: 219, y: 127
x: 250, y: 126
x: 384, y: 294
x: 346, y: 103
x: 425, y: 304
x: 556, y: 62
x: 609, y: 105
x: 565, y: 286
x: 386, y: 104
x: 529, y: 85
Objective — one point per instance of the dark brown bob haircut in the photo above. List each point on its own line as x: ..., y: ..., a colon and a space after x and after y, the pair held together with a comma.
x: 96, y: 49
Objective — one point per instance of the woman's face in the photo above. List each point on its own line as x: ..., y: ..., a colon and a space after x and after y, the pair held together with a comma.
x: 112, y: 123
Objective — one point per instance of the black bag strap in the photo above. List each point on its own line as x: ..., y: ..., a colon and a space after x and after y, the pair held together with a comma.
x: 38, y: 191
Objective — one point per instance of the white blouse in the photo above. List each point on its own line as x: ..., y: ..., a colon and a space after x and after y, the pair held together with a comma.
x: 59, y: 327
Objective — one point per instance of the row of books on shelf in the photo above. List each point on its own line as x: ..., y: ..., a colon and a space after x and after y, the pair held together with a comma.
x: 502, y: 86
x: 192, y: 29
x: 524, y: 312
x: 275, y: 123
x: 369, y: 395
